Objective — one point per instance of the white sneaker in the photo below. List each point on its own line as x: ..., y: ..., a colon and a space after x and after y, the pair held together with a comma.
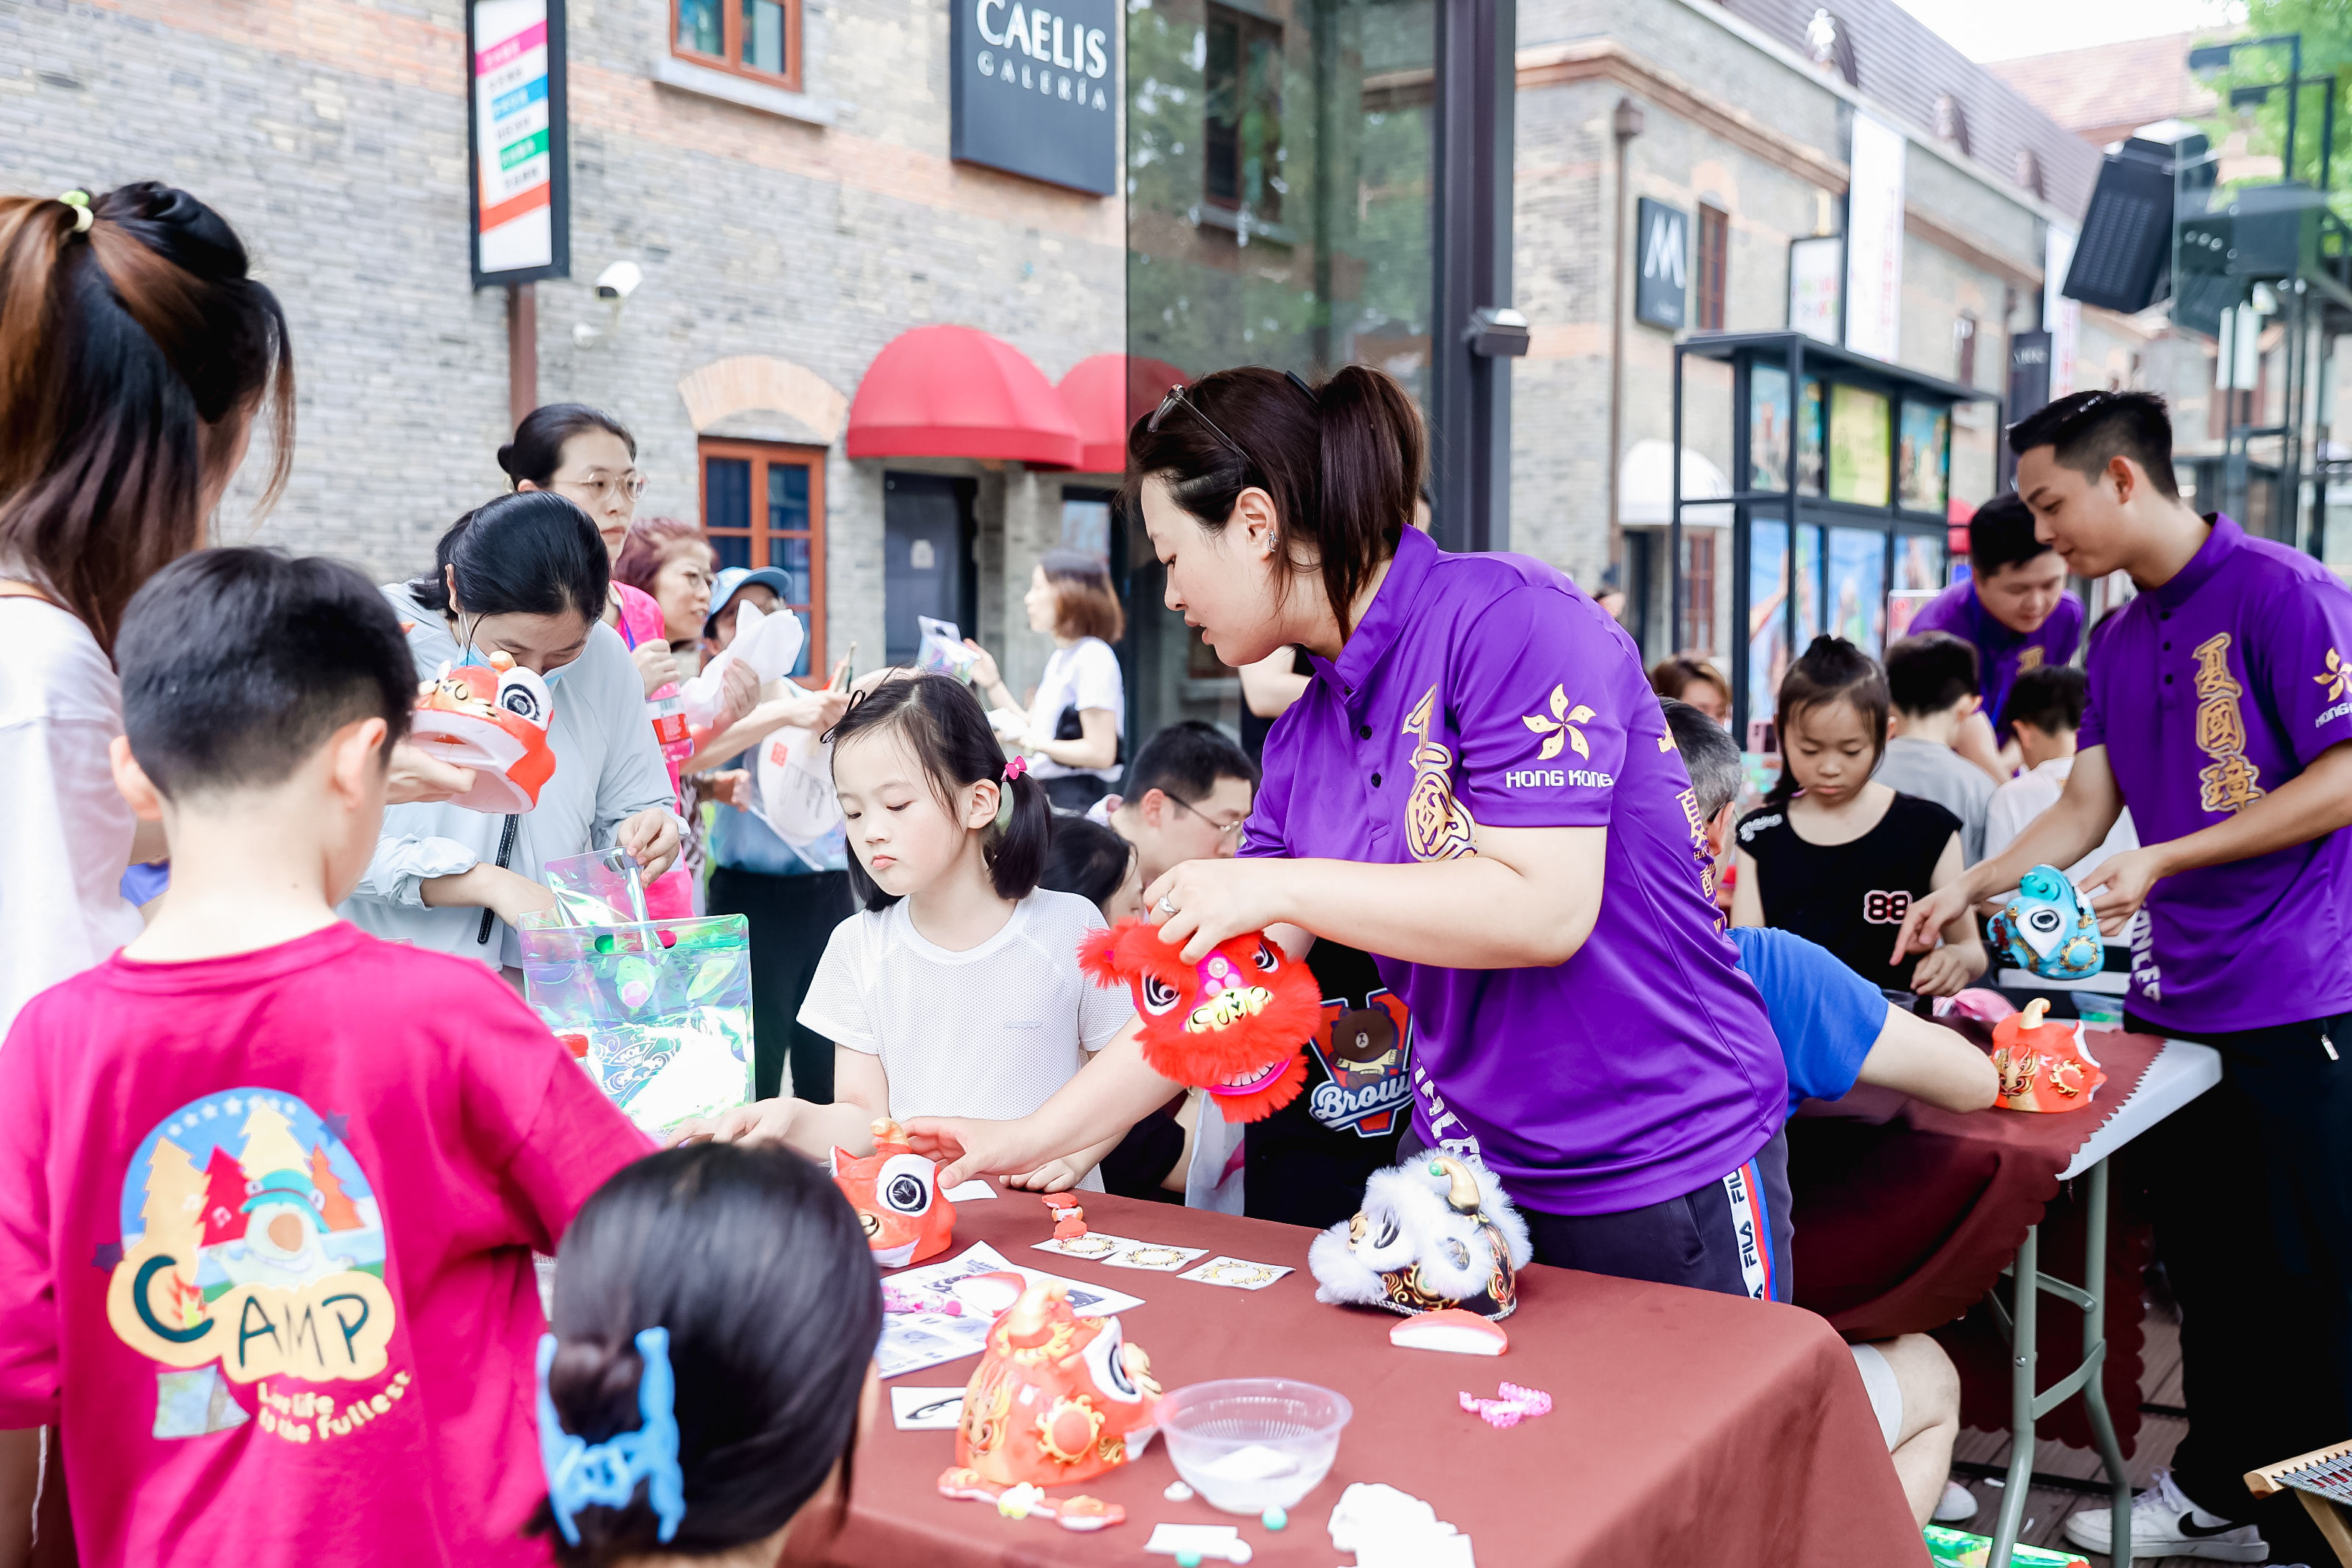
x: 1957, y: 1504
x: 2165, y: 1523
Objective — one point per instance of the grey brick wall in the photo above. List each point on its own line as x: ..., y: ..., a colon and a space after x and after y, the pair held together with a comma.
x: 333, y: 136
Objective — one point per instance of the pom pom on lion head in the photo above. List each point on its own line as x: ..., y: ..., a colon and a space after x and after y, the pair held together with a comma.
x: 1234, y: 1024
x: 1433, y: 1232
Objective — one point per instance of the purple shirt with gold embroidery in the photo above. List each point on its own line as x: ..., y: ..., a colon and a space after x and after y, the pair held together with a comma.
x: 1488, y: 690
x: 2209, y: 693
x: 2001, y: 652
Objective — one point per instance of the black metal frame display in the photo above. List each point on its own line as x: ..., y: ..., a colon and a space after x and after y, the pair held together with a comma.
x: 1802, y: 360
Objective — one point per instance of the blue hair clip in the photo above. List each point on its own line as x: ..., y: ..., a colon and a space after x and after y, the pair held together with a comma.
x: 581, y: 1474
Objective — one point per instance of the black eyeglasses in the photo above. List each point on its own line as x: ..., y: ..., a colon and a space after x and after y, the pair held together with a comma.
x: 1175, y: 400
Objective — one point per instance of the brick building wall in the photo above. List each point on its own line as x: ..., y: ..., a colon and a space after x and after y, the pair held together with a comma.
x: 1735, y: 119
x: 331, y: 135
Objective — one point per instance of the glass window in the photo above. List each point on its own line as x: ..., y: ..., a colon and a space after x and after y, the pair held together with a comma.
x: 1714, y: 244
x: 788, y: 534
x: 1242, y: 116
x: 1280, y: 163
x: 757, y: 38
x: 700, y: 27
x: 763, y: 36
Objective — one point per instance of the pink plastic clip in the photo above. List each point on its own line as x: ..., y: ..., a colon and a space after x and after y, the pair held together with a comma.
x: 1516, y: 1405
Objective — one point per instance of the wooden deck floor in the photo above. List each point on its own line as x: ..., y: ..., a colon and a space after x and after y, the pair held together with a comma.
x: 2047, y: 1507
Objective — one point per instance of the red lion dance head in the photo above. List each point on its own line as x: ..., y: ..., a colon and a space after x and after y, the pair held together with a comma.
x: 1234, y: 1024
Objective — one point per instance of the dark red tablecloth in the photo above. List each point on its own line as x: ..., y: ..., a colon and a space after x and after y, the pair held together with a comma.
x: 1687, y: 1427
x: 1905, y: 1215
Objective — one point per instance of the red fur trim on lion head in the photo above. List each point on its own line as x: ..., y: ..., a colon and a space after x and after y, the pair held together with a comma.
x: 1233, y: 1024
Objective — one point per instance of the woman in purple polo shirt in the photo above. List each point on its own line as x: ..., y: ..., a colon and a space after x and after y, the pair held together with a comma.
x: 2221, y: 714
x: 1478, y: 785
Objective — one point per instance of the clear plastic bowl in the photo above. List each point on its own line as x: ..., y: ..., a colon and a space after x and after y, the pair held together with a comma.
x: 1248, y: 1443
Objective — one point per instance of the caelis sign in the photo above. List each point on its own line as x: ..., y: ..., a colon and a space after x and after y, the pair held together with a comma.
x: 1035, y: 90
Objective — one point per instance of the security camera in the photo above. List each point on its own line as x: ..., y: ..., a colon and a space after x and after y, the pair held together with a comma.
x: 618, y: 281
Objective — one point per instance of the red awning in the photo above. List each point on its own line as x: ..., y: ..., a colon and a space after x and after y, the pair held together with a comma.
x: 956, y: 392
x: 1107, y: 395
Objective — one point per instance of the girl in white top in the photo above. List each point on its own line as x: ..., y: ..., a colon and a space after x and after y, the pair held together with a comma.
x: 1078, y: 714
x: 957, y: 991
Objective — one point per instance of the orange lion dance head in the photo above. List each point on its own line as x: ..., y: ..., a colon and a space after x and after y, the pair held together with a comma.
x: 2043, y: 1066
x: 1057, y: 1399
x: 1234, y: 1024
x: 896, y: 1193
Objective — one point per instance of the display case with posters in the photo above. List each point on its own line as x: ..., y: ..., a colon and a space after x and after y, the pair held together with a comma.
x: 1858, y: 540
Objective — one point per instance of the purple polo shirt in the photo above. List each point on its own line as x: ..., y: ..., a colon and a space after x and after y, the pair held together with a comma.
x: 1488, y: 689
x: 2208, y: 693
x: 2001, y: 651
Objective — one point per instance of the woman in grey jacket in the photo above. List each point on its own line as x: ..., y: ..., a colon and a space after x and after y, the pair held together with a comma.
x: 524, y: 575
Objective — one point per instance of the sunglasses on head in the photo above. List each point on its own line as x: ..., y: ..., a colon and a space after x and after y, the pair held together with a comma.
x: 1176, y: 398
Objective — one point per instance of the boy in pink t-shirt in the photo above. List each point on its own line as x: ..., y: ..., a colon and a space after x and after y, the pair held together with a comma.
x: 269, y: 1186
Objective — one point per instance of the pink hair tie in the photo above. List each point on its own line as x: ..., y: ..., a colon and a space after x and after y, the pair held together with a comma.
x: 1015, y: 768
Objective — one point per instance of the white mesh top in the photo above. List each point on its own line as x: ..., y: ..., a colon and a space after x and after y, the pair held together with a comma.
x: 989, y: 1032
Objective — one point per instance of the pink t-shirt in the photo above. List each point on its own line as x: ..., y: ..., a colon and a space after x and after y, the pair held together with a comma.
x: 264, y: 1250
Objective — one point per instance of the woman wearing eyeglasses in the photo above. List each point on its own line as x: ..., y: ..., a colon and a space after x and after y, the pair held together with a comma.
x: 1478, y: 785
x: 589, y: 457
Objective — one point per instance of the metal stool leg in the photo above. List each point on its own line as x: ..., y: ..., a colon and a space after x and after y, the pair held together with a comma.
x: 2024, y: 1317
x: 2095, y: 1341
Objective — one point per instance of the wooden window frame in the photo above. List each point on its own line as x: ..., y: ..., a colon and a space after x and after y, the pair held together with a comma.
x: 764, y: 455
x: 1247, y: 26
x: 731, y: 57
x: 1699, y: 594
x: 1714, y: 264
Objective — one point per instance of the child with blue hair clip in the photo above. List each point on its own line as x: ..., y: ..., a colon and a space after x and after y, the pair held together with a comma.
x: 672, y: 1420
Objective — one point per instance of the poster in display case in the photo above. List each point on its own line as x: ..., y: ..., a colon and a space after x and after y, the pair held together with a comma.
x: 1923, y: 458
x: 1858, y: 446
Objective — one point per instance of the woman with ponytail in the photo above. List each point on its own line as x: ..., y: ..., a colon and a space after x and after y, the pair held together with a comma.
x: 957, y: 992
x: 137, y: 355
x: 1478, y: 785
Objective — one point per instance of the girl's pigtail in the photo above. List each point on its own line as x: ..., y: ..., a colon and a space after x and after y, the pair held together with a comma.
x: 1018, y: 840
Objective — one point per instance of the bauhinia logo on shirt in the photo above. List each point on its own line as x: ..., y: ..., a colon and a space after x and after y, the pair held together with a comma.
x: 1559, y: 729
x: 2230, y: 781
x: 253, y: 1248
x: 2336, y: 677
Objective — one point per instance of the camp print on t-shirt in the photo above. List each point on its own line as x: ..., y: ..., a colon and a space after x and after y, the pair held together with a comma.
x: 252, y: 1254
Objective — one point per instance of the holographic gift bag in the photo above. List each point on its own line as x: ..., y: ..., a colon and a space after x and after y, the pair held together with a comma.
x: 658, y: 1012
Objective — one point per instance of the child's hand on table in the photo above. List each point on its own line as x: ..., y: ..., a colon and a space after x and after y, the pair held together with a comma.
x: 1942, y: 973
x: 1053, y: 1176
x: 967, y: 1148
x: 764, y: 1122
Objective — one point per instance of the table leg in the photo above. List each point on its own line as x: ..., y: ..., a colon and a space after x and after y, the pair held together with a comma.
x: 2095, y: 1339
x: 2024, y: 1319
x: 2022, y: 1324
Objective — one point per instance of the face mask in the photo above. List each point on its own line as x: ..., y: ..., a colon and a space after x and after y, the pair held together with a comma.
x: 553, y: 677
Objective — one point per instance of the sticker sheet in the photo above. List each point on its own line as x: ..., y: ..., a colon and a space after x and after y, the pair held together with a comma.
x: 1119, y: 1252
x: 1238, y: 1272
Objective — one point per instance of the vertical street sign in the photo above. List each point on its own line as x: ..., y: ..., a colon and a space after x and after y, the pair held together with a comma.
x: 1661, y: 246
x: 517, y: 141
x: 1874, y: 276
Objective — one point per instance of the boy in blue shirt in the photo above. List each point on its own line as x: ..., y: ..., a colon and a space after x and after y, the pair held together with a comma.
x: 1836, y: 1030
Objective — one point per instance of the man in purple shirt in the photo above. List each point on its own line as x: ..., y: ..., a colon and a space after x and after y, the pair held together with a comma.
x: 2220, y: 706
x: 2015, y: 607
